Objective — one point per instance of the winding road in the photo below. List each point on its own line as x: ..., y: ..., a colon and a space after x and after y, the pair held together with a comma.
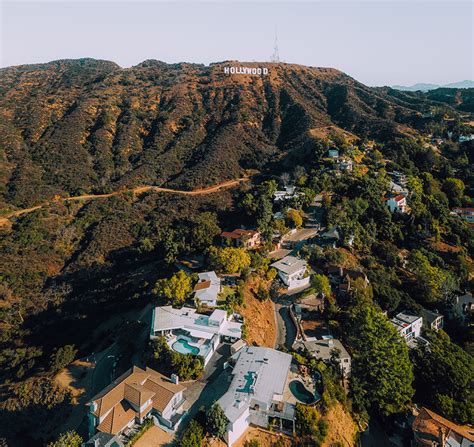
x: 5, y: 219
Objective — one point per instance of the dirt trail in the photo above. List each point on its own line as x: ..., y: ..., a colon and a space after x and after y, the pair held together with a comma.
x: 5, y: 220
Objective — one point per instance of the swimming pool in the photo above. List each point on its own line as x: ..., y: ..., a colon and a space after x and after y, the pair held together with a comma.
x: 301, y: 393
x: 183, y: 347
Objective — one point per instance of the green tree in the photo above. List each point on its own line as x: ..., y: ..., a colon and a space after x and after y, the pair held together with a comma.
x: 382, y: 372
x: 62, y: 357
x: 229, y: 259
x: 216, y: 421
x: 68, y: 439
x: 193, y: 435
x: 454, y: 189
x: 321, y: 284
x: 205, y: 227
x: 294, y: 218
x: 175, y: 289
x: 434, y: 282
x: 444, y: 378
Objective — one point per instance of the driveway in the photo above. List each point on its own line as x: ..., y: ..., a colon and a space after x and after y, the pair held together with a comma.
x: 210, y: 387
x: 286, y: 330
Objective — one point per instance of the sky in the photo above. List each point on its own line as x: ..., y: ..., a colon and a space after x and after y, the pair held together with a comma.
x: 382, y: 42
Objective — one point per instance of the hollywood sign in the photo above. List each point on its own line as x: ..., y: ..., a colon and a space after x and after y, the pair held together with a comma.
x: 246, y: 70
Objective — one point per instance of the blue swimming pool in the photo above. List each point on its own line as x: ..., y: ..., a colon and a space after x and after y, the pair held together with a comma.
x: 301, y: 393
x: 183, y: 347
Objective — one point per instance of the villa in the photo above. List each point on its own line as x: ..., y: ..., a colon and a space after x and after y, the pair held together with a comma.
x: 432, y: 319
x: 135, y: 396
x: 397, y: 203
x: 241, y: 238
x: 291, y: 271
x: 256, y: 393
x: 287, y: 194
x: 430, y: 429
x: 409, y: 327
x: 208, y: 288
x: 327, y: 349
x: 465, y: 213
x: 189, y: 332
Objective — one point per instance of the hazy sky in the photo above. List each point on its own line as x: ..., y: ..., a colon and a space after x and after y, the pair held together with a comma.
x: 379, y: 42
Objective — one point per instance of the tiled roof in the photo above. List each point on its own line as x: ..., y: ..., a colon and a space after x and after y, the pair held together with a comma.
x: 427, y: 425
x: 135, y: 387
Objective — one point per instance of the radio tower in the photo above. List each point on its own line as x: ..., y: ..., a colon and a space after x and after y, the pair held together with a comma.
x: 276, y: 54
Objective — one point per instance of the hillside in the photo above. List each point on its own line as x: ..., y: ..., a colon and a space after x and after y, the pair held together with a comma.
x: 71, y: 127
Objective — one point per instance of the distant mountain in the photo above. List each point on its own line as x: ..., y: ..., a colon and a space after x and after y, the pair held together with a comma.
x: 416, y: 87
x: 427, y: 87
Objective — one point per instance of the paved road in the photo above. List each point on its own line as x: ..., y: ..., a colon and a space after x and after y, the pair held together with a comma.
x: 286, y: 331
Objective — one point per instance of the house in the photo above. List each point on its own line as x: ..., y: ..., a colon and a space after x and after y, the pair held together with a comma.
x: 101, y: 439
x: 327, y: 349
x: 397, y: 189
x: 135, y: 396
x: 462, y: 307
x: 189, y: 332
x: 432, y: 320
x: 464, y: 213
x: 241, y: 238
x: 346, y: 164
x: 431, y: 430
x: 255, y: 394
x: 397, y: 203
x: 287, y: 194
x: 291, y: 271
x: 409, y: 327
x: 208, y: 288
x: 333, y: 153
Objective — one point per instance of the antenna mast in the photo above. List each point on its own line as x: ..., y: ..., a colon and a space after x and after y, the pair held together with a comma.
x: 276, y: 53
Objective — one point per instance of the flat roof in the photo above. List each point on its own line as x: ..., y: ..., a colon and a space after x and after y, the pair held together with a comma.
x: 168, y: 318
x: 259, y: 374
x: 289, y: 264
x: 321, y: 349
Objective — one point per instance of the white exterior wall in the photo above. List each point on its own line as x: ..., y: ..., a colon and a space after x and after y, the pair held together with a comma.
x: 237, y: 429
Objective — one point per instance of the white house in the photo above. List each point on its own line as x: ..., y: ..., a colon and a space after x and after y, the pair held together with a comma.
x: 432, y: 319
x: 409, y: 327
x: 189, y: 332
x: 397, y: 204
x: 136, y: 395
x: 287, y: 194
x: 291, y: 270
x: 325, y: 350
x: 208, y: 288
x: 260, y: 378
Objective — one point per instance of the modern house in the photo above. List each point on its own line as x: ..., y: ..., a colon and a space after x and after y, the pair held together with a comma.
x: 409, y: 327
x: 291, y: 271
x: 189, y: 332
x: 397, y: 189
x: 464, y: 213
x: 346, y: 164
x: 432, y: 320
x: 208, y: 288
x: 259, y: 381
x: 287, y: 194
x: 326, y: 350
x: 241, y: 238
x: 397, y: 203
x: 135, y: 396
x: 432, y: 430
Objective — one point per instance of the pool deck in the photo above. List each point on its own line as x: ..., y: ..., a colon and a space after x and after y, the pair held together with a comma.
x: 308, y: 382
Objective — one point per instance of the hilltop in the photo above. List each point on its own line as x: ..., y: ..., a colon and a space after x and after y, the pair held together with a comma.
x: 73, y: 127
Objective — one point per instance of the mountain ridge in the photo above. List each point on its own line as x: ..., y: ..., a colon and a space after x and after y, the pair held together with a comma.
x: 89, y: 126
